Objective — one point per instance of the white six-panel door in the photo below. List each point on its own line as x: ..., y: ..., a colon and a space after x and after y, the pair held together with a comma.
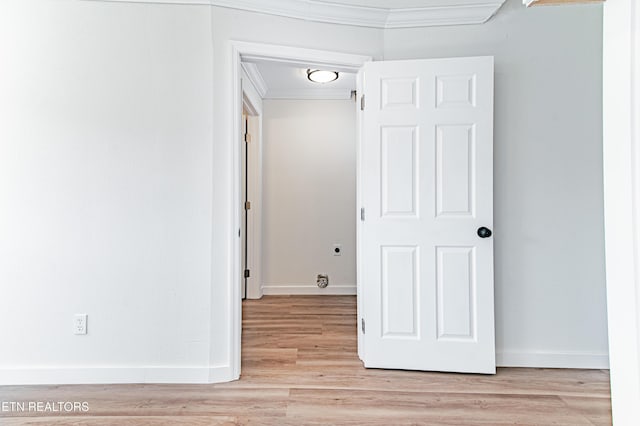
x: 426, y: 187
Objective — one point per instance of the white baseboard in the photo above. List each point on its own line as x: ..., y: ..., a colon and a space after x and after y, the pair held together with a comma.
x: 220, y: 374
x: 254, y: 294
x: 301, y: 289
x: 552, y: 359
x: 113, y: 375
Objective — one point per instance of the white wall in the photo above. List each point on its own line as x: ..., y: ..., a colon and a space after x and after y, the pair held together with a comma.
x: 115, y: 183
x: 309, y: 195
x: 115, y: 180
x: 105, y: 191
x: 549, y: 252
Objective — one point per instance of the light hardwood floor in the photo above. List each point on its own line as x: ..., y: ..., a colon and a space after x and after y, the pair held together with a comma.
x: 300, y: 367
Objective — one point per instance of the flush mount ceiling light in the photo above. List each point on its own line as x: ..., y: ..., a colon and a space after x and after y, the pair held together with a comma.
x: 322, y: 76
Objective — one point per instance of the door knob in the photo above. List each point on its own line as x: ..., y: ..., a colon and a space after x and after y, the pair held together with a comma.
x: 484, y: 232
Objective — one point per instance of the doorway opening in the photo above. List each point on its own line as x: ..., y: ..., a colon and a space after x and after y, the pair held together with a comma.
x: 307, y: 183
x: 251, y: 176
x: 298, y: 182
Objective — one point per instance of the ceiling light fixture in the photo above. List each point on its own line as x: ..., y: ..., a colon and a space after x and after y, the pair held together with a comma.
x: 322, y: 76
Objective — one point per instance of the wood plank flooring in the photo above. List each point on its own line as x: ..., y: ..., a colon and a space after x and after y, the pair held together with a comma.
x: 300, y: 367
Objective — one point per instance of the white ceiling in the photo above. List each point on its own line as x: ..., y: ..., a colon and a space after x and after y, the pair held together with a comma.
x: 283, y: 81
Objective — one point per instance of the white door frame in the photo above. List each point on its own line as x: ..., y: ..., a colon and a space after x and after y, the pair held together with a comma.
x: 621, y: 143
x: 252, y: 103
x: 268, y: 52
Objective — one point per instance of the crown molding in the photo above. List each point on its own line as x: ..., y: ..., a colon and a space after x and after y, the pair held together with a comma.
x: 313, y: 10
x: 255, y: 77
x: 529, y: 3
x: 436, y: 13
x: 310, y: 94
x: 453, y: 12
x: 185, y: 2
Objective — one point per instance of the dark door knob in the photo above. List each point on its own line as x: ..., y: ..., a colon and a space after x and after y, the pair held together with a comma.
x: 484, y: 232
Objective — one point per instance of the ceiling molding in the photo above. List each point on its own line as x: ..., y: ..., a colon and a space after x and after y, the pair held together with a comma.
x: 311, y: 94
x: 436, y: 13
x: 558, y: 2
x: 255, y: 77
x: 313, y: 10
x: 450, y: 12
x: 185, y: 2
x: 437, y: 16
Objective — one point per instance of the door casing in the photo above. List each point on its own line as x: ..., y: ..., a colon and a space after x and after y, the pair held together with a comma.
x: 252, y: 153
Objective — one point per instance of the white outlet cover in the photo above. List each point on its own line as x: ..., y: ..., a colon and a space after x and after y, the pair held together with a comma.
x: 80, y: 324
x: 337, y: 249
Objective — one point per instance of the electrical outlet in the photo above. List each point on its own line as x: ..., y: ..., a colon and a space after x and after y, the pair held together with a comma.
x: 337, y: 249
x: 80, y: 324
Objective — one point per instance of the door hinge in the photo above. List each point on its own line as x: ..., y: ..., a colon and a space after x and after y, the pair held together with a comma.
x: 362, y: 214
x: 247, y: 137
x: 362, y: 322
x: 247, y: 205
x: 362, y: 103
x: 247, y: 273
